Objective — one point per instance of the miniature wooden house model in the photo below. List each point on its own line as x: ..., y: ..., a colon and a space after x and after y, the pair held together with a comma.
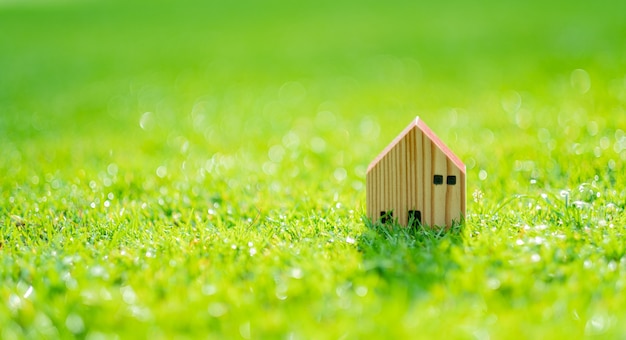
x: 415, y: 180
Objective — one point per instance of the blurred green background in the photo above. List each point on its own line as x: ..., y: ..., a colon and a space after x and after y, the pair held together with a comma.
x: 195, y: 129
x: 493, y: 78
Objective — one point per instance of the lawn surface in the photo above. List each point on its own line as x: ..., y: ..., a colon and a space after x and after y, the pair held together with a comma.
x: 197, y: 169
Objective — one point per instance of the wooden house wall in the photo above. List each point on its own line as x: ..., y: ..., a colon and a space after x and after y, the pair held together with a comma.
x: 402, y: 180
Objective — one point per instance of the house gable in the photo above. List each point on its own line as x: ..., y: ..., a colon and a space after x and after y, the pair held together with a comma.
x: 418, y: 123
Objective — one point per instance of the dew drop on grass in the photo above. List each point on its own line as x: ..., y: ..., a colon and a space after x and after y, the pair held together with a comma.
x: 161, y: 171
x: 361, y: 291
x: 612, y: 266
x: 535, y: 258
x: 357, y: 185
x: 74, y: 323
x: 318, y: 145
x: 611, y: 164
x: 369, y: 128
x: 597, y: 152
x: 597, y: 324
x: 30, y: 290
x: 481, y: 334
x: 580, y: 81
x: 325, y: 118
x: 217, y: 309
x: 269, y: 168
x: 291, y: 140
x: 14, y: 302
x: 340, y: 174
x: 478, y: 196
x: 543, y: 135
x: 97, y: 271
x: 140, y: 313
x: 482, y: 175
x: 493, y: 283
x: 523, y: 118
x: 244, y: 330
x: 44, y: 324
x: 128, y: 295
x: 112, y: 169
x: 592, y: 128
x: 296, y: 273
x: 281, y: 292
x: 209, y: 289
x: 146, y: 121
x: 276, y: 153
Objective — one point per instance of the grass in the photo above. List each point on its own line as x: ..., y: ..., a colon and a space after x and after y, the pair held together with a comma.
x: 185, y: 170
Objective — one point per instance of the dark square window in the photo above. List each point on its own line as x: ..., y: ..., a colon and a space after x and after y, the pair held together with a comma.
x: 438, y: 179
x: 386, y: 217
x: 415, y: 218
x: 451, y: 180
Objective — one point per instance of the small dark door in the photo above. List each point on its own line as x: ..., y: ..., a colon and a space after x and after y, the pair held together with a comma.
x: 415, y: 218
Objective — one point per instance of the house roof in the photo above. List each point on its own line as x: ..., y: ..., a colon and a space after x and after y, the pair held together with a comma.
x: 418, y: 123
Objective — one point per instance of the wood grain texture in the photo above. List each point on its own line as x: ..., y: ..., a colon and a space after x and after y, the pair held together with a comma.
x: 403, y: 214
x: 439, y: 166
x: 425, y: 181
x: 401, y: 179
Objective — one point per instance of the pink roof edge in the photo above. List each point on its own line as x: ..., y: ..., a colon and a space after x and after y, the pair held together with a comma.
x: 417, y: 122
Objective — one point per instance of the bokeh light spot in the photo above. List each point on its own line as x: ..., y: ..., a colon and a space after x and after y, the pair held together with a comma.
x: 580, y: 81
